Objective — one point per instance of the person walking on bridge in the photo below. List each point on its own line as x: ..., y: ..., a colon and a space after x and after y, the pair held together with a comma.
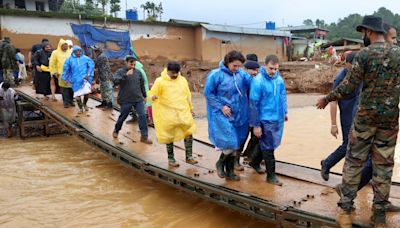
x: 376, y: 123
x: 78, y: 70
x: 41, y: 65
x: 227, y: 111
x: 57, y: 60
x: 348, y: 108
x: 131, y: 94
x: 104, y: 76
x: 268, y: 112
x: 172, y: 111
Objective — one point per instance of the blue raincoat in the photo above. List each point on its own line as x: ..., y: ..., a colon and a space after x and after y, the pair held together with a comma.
x: 268, y: 108
x: 76, y: 68
x: 226, y: 88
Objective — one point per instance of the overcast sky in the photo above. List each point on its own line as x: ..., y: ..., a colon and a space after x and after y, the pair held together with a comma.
x: 253, y: 13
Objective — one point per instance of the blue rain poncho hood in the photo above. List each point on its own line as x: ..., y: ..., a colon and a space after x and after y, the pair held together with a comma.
x: 77, y: 68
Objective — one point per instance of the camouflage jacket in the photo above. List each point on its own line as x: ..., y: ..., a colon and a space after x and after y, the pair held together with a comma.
x: 378, y: 68
x: 103, y: 68
x: 8, y: 58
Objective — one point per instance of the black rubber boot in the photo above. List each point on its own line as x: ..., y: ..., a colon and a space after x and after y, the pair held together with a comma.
x: 256, y: 161
x: 102, y: 105
x: 392, y: 208
x: 378, y: 218
x: 269, y: 159
x: 220, y: 165
x: 108, y: 106
x: 230, y: 168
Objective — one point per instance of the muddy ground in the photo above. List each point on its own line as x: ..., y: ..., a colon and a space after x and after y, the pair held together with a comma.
x: 300, y: 77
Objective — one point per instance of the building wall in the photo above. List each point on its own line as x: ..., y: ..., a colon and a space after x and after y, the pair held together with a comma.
x: 177, y: 43
x: 150, y: 41
x: 27, y: 31
x: 31, y: 4
x: 216, y: 44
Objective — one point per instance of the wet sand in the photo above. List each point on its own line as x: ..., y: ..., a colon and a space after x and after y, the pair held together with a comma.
x: 64, y: 182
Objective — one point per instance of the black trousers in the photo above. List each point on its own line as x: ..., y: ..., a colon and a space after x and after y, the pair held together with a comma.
x: 67, y: 96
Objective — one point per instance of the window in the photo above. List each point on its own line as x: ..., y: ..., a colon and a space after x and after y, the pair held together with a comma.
x: 39, y: 6
x: 20, y: 4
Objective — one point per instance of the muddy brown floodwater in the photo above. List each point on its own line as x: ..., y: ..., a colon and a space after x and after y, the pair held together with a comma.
x: 63, y: 182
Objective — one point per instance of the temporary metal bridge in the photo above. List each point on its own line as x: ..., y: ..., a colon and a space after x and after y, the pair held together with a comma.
x: 304, y: 200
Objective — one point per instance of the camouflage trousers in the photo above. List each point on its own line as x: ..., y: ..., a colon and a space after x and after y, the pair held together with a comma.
x: 381, y: 144
x: 106, y: 90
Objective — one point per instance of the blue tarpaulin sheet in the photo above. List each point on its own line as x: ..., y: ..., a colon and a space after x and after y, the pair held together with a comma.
x: 89, y: 35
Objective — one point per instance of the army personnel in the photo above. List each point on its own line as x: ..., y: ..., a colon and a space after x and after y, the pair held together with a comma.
x: 104, y: 75
x: 375, y: 126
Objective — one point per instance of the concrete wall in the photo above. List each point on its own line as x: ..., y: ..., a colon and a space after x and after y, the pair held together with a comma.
x: 216, y: 44
x: 150, y: 41
x: 27, y: 31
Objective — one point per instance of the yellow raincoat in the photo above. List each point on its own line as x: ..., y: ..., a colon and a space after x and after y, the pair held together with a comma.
x: 172, y: 111
x: 56, y: 63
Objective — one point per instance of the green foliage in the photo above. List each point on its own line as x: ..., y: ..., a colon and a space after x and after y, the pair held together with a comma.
x: 74, y: 7
x: 308, y: 22
x: 346, y: 27
x: 115, y: 7
x: 103, y: 4
x: 152, y: 10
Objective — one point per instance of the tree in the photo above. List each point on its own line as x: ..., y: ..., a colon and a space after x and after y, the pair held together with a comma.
x: 345, y: 27
x: 103, y: 4
x: 160, y: 10
x: 153, y: 11
x: 320, y: 23
x: 308, y: 22
x: 73, y: 6
x: 114, y: 7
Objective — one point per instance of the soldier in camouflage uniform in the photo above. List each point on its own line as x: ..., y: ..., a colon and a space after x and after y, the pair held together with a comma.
x: 375, y: 126
x: 104, y: 75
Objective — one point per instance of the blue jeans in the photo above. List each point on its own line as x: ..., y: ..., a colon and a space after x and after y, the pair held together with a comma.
x: 340, y: 152
x: 125, y: 109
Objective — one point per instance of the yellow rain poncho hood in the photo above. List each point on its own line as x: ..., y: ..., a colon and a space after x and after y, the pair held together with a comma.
x: 172, y: 111
x: 56, y: 63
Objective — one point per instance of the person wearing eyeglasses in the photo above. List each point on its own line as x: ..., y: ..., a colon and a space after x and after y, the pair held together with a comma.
x: 268, y: 112
x: 132, y: 93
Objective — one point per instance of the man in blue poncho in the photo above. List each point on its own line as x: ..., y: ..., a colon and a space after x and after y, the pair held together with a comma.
x: 78, y: 70
x: 227, y: 111
x: 268, y: 112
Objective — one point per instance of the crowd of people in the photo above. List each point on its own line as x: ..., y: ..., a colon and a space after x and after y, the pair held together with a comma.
x: 244, y: 100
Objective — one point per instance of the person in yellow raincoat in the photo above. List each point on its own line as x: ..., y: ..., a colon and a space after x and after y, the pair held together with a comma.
x: 172, y: 111
x: 56, y: 65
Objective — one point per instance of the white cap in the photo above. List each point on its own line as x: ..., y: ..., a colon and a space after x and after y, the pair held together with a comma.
x: 69, y: 42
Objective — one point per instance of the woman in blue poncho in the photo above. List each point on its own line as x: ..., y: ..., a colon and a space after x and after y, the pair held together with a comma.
x: 227, y: 110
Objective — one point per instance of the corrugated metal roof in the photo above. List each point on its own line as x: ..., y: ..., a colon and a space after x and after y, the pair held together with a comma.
x: 241, y: 30
x: 179, y: 21
x: 302, y: 28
